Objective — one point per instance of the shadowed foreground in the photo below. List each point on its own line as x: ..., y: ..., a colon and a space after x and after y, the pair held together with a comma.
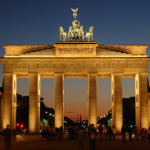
x: 72, y: 145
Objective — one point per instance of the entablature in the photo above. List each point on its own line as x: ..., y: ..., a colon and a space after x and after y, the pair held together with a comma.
x: 75, y: 65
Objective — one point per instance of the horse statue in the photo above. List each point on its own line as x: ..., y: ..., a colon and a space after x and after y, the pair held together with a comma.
x: 89, y: 34
x: 62, y: 34
x: 70, y: 34
x: 81, y: 34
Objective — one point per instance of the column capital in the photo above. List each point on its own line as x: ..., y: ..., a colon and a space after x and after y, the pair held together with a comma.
x: 117, y: 73
x: 92, y: 73
x: 143, y: 73
x: 34, y: 74
x: 8, y: 74
x: 59, y: 73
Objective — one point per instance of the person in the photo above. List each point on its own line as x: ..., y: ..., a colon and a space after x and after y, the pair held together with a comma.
x: 43, y: 133
x: 69, y: 130
x: 105, y: 132
x: 60, y: 133
x: 92, y: 134
x: 130, y: 133
x: 148, y: 132
x: 143, y: 133
x: 109, y: 133
x: 7, y: 138
x: 123, y: 130
x: 14, y: 133
x: 136, y: 130
x: 80, y: 137
x: 72, y: 133
x: 57, y: 133
x: 114, y: 131
x: 100, y: 131
x: 53, y: 133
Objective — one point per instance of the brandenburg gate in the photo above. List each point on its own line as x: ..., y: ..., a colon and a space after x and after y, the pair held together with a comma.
x: 75, y: 59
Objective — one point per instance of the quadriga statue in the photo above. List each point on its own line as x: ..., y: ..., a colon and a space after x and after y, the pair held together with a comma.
x: 70, y: 34
x: 81, y: 34
x: 62, y: 34
x: 89, y: 34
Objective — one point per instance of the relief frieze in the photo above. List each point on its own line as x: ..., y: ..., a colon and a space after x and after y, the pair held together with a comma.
x: 80, y: 64
x: 75, y: 51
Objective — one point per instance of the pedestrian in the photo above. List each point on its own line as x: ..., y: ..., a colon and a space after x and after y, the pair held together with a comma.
x: 114, y: 131
x: 80, y: 137
x: 53, y: 133
x: 60, y: 133
x: 136, y: 130
x: 100, y: 132
x: 14, y: 133
x: 148, y: 132
x: 50, y: 132
x: 130, y: 133
x: 123, y: 130
x: 109, y: 133
x: 57, y: 133
x: 92, y: 134
x: 72, y: 133
x: 7, y: 138
x: 105, y: 132
x: 69, y: 130
x: 143, y: 133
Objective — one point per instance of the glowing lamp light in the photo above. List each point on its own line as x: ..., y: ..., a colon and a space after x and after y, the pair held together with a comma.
x: 21, y: 126
x: 17, y: 124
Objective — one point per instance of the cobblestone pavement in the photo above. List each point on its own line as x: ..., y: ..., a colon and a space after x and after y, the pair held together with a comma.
x: 35, y: 143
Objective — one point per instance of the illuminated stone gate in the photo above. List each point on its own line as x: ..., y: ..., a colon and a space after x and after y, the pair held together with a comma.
x: 75, y: 60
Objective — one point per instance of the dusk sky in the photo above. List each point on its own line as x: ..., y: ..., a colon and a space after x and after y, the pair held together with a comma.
x: 36, y: 22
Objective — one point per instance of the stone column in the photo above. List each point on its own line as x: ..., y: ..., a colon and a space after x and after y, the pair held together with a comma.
x: 9, y: 101
x: 141, y: 102
x: 149, y: 109
x: 59, y: 100
x: 92, y: 99
x: 34, y: 103
x: 1, y: 110
x: 117, y: 108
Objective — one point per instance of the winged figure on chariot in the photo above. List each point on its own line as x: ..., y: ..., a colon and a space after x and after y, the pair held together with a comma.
x: 76, y: 31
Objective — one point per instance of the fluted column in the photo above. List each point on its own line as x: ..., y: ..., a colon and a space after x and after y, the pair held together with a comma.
x: 1, y: 110
x: 9, y: 101
x: 59, y: 100
x: 141, y: 102
x: 117, y: 108
x: 149, y: 109
x: 34, y: 103
x: 92, y: 99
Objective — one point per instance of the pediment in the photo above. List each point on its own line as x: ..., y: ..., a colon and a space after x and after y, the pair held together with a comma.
x: 45, y: 52
x: 99, y: 53
x: 75, y: 50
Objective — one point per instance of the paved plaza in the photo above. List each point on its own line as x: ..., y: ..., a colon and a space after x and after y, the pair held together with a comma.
x: 35, y: 143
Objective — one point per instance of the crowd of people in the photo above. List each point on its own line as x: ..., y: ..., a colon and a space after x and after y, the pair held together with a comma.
x: 101, y: 133
x: 144, y: 134
x: 104, y: 133
x: 52, y: 133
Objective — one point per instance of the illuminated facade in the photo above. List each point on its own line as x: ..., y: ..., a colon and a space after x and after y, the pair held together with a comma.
x: 75, y: 60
